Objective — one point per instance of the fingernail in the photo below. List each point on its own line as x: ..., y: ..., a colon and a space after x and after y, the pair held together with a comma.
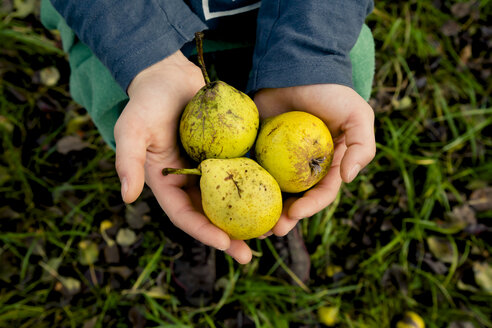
x: 353, y: 172
x: 223, y: 245
x: 124, y: 187
x: 221, y: 248
x: 266, y: 235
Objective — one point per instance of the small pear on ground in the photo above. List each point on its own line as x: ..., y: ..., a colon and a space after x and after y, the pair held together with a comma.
x: 411, y: 320
x: 328, y: 315
x: 296, y: 148
x: 238, y: 196
x: 219, y: 121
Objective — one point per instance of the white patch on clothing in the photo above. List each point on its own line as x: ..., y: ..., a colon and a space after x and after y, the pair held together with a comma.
x: 209, y: 15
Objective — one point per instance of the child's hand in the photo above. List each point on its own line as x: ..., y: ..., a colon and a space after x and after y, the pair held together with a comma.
x: 349, y: 118
x: 146, y: 142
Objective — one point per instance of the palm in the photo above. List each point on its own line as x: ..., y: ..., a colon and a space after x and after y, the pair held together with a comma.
x: 351, y: 121
x: 146, y: 142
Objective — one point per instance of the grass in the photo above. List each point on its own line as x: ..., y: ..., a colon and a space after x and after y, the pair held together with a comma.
x: 406, y: 235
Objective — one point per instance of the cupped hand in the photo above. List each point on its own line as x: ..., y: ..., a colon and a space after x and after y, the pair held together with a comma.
x: 350, y: 120
x: 146, y: 141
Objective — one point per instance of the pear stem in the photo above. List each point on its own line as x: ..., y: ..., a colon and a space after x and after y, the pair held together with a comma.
x: 168, y: 170
x: 199, y: 50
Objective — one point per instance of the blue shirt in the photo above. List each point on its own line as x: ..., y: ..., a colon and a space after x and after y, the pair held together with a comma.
x: 296, y: 42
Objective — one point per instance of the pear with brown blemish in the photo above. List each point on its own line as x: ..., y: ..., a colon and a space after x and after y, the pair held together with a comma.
x: 238, y: 196
x: 219, y: 121
x: 296, y: 148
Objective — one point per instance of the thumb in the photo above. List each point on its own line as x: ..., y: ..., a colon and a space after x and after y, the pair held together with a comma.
x: 131, y: 153
x: 360, y: 142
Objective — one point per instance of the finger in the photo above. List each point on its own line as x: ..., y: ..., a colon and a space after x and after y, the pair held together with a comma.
x: 360, y: 141
x: 185, y: 215
x: 266, y: 235
x: 285, y: 224
x: 316, y: 199
x: 130, y: 158
x: 240, y: 251
x: 324, y: 193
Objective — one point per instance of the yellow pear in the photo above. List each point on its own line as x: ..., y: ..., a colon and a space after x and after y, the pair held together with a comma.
x: 238, y: 196
x: 219, y: 121
x: 296, y: 148
x: 411, y: 320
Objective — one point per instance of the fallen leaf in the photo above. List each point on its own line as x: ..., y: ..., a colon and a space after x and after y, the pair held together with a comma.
x: 461, y: 9
x: 123, y: 271
x: 70, y: 143
x: 450, y: 28
x: 136, y: 215
x: 464, y: 214
x: 483, y: 276
x: 24, y: 8
x: 88, y: 252
x: 126, y: 237
x: 49, y: 76
x: 481, y: 199
x: 461, y: 324
x: 441, y: 249
x: 91, y: 323
x: 466, y: 54
x: 71, y: 286
x: 461, y: 217
x: 111, y: 253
